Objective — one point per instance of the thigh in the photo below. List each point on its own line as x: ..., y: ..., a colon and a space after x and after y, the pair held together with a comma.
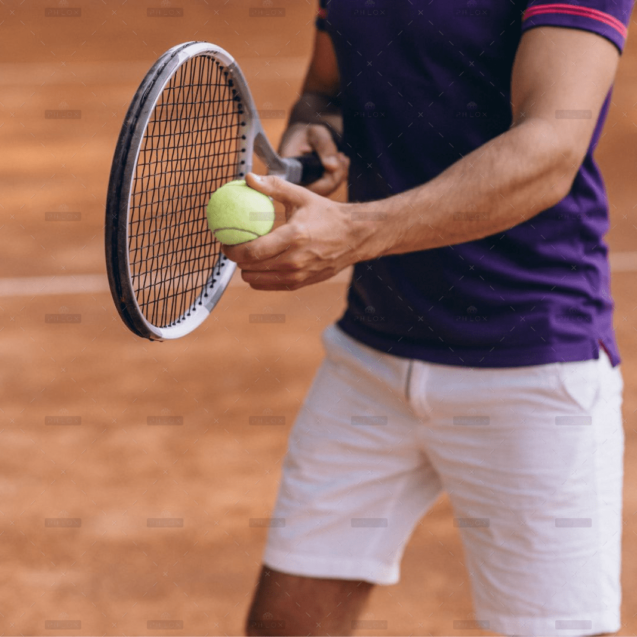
x: 532, y: 459
x: 291, y: 605
x: 354, y: 482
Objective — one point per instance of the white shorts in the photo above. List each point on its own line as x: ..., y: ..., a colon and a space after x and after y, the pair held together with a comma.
x: 531, y: 458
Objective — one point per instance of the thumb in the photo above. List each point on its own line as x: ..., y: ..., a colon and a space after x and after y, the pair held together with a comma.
x: 277, y: 188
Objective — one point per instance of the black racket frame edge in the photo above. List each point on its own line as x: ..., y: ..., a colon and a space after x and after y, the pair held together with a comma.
x: 116, y: 240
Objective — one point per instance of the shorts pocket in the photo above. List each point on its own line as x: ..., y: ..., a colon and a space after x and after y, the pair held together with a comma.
x: 580, y: 382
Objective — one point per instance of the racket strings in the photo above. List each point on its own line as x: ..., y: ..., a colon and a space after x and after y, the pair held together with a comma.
x: 192, y: 146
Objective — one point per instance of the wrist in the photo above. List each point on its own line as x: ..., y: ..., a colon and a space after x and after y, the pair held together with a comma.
x: 317, y: 108
x: 368, y: 225
x: 289, y: 132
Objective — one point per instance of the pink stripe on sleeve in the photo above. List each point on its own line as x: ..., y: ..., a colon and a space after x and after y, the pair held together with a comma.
x: 569, y: 9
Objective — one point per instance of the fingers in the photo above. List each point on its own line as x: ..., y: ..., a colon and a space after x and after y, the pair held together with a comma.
x: 262, y: 252
x: 288, y: 269
x: 336, y: 164
x: 321, y: 141
x: 301, y: 138
x: 286, y: 281
x: 277, y: 188
x: 331, y: 179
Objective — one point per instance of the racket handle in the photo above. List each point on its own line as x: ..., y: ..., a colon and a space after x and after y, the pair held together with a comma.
x: 312, y: 168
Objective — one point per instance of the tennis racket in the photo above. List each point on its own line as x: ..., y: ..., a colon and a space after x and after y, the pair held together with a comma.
x: 191, y: 127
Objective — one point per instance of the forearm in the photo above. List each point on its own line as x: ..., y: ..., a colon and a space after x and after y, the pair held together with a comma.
x: 316, y: 108
x: 313, y: 108
x: 319, y: 102
x: 499, y: 185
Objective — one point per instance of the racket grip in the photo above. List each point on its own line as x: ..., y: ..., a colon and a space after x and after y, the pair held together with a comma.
x: 312, y: 168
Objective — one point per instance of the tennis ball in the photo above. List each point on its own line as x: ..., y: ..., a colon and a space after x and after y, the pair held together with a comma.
x: 237, y: 213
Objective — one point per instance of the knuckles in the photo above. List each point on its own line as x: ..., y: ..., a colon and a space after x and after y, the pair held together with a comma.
x: 295, y: 278
x: 293, y: 265
x: 299, y: 234
x: 249, y: 255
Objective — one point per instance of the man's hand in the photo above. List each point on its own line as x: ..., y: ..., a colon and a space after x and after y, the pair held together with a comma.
x: 305, y: 138
x: 321, y: 238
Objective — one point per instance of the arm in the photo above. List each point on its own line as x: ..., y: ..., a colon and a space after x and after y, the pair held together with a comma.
x: 317, y: 104
x: 529, y: 168
x: 511, y: 178
x: 321, y: 86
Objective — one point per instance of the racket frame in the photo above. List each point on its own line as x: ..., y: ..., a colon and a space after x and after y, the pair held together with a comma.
x: 123, y: 175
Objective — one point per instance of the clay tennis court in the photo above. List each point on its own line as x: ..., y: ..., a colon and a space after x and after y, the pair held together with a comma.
x: 137, y: 478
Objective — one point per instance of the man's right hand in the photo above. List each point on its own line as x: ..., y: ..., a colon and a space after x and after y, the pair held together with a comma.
x: 300, y: 139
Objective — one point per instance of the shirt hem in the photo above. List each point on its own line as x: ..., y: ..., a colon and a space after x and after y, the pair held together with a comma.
x: 497, y: 357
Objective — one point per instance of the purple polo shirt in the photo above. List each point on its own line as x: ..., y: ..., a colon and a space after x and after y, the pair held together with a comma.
x: 422, y: 85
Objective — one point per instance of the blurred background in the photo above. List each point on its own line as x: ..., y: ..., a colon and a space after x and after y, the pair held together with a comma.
x: 137, y: 479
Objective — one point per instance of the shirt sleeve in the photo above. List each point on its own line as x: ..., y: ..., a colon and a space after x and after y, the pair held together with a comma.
x: 608, y: 18
x: 321, y: 16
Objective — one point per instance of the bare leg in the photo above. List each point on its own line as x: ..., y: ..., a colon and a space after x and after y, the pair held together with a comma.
x: 291, y: 605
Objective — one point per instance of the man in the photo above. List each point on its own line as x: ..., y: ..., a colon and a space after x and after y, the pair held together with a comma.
x: 476, y: 354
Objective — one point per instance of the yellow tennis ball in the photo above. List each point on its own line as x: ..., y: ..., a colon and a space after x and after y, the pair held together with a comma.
x: 237, y: 213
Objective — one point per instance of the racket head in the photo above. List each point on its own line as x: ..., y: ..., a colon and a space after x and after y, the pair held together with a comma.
x: 189, y: 129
